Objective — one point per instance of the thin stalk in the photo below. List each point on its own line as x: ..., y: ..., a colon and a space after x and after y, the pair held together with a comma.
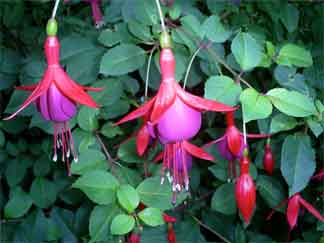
x: 108, y: 156
x: 209, y: 229
x: 215, y: 55
x: 148, y: 71
x: 158, y: 5
x: 244, y: 130
x: 189, y: 66
x: 55, y: 8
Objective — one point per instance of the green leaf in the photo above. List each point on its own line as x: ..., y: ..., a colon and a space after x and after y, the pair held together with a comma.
x: 316, y: 127
x: 151, y: 216
x: 289, y: 16
x: 127, y: 152
x: 122, y: 59
x: 100, y: 186
x: 246, y: 50
x: 110, y: 131
x: 293, y: 55
x: 281, y: 122
x: 215, y: 30
x: 255, y: 105
x: 291, y: 103
x: 87, y: 118
x: 297, y: 162
x: 109, y: 38
x: 43, y: 192
x: 153, y: 194
x: 100, y: 219
x: 89, y: 160
x: 222, y: 89
x: 15, y: 172
x: 122, y: 224
x: 128, y: 198
x: 223, y: 199
x: 271, y: 190
x: 18, y: 205
x: 146, y: 12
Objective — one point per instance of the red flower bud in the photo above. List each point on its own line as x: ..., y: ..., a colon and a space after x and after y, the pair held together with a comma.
x: 169, y: 219
x: 134, y: 238
x: 293, y: 210
x: 268, y: 160
x: 171, y: 234
x: 245, y: 192
x: 234, y: 137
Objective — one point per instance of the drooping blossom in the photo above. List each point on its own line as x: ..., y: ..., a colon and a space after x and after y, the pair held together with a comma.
x: 245, y: 192
x: 174, y: 116
x: 170, y: 221
x: 56, y: 97
x: 295, y: 203
x: 231, y: 145
x: 134, y: 238
x: 268, y: 159
x: 96, y: 11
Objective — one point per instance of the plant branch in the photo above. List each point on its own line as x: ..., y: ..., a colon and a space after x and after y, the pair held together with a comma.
x: 189, y: 66
x: 110, y: 159
x: 158, y: 5
x: 55, y: 8
x: 210, y: 229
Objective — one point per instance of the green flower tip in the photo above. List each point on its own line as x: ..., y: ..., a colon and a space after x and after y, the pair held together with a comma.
x: 165, y: 40
x: 246, y: 152
x: 51, y: 27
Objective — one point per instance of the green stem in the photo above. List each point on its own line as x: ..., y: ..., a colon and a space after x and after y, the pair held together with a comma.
x: 209, y: 229
x: 189, y: 66
x: 55, y: 8
x: 158, y: 5
x: 148, y: 71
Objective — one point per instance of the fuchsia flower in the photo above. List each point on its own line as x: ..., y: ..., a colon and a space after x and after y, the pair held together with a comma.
x: 96, y: 12
x: 245, y: 192
x: 134, y: 238
x: 294, y: 204
x: 231, y: 144
x: 174, y: 116
x: 268, y: 160
x: 56, y: 97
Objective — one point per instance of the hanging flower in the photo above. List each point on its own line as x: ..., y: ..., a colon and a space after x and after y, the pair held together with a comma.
x: 56, y: 96
x: 231, y: 144
x: 171, y: 234
x: 96, y: 12
x: 245, y: 192
x: 268, y: 160
x: 174, y: 116
x: 134, y: 238
x: 295, y: 202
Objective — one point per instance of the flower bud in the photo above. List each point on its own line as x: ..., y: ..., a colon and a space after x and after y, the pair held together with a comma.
x: 268, y: 160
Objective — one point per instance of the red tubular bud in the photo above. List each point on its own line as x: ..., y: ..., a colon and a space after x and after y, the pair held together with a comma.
x: 293, y: 210
x: 245, y: 195
x: 134, y: 238
x: 171, y: 234
x: 268, y: 160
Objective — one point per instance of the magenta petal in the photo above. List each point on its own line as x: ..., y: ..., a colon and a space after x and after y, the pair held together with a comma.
x: 179, y: 122
x: 224, y: 151
x: 61, y: 108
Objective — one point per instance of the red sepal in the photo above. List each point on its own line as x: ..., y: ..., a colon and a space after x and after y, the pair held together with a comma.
x: 196, y: 151
x: 169, y: 219
x: 164, y: 99
x: 72, y: 90
x: 234, y: 140
x: 311, y: 209
x: 38, y: 91
x: 261, y: 135
x: 158, y: 157
x: 200, y: 103
x: 293, y: 210
x: 141, y: 111
x: 27, y: 87
x: 142, y: 140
